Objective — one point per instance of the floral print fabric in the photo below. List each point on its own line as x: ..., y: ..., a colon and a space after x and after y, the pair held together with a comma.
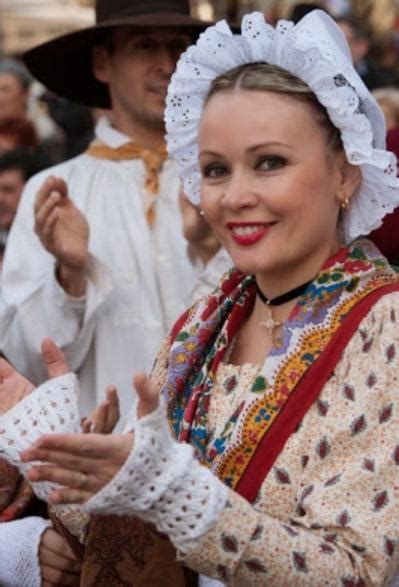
x: 327, y: 513
x: 201, y: 345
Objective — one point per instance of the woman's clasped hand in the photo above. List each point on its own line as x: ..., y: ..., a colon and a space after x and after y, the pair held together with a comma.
x: 84, y: 463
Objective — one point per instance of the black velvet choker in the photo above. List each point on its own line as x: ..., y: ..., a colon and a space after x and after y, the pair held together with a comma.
x: 286, y: 297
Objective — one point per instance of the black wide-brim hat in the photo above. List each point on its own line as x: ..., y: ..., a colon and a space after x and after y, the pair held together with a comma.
x: 64, y: 65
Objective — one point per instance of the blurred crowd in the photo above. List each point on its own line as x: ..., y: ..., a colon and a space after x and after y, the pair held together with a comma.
x: 37, y: 130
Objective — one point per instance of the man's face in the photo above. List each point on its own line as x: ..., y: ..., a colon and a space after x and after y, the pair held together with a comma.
x: 13, y: 97
x: 138, y: 68
x: 11, y: 186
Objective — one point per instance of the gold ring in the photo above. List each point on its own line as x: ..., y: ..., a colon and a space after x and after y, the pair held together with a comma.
x: 82, y: 480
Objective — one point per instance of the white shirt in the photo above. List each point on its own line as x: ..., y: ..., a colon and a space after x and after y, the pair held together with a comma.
x: 209, y: 275
x: 139, y: 280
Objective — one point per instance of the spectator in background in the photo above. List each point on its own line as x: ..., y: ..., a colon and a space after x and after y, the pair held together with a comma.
x: 374, y: 75
x: 18, y: 103
x: 14, y: 90
x: 16, y: 167
x: 133, y: 275
x: 107, y: 301
x: 17, y: 133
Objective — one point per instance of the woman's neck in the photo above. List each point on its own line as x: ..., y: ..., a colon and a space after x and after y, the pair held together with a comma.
x: 278, y: 282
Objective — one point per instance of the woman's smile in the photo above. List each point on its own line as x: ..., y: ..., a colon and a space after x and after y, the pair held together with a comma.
x: 249, y: 233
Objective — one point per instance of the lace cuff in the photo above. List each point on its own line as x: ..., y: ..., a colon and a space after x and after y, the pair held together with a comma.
x: 162, y: 483
x: 19, y: 545
x: 50, y: 408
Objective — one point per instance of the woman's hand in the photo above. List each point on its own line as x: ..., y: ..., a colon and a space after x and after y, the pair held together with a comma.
x: 58, y: 564
x: 106, y: 416
x: 81, y: 463
x: 84, y: 463
x: 14, y: 386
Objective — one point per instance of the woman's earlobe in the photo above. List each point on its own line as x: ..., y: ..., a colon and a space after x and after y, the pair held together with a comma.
x: 357, y: 180
x: 351, y: 179
x: 344, y: 204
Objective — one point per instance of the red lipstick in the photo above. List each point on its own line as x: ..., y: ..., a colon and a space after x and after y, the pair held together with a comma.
x: 248, y: 233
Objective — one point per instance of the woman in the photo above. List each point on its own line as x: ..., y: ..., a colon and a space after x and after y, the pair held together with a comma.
x: 282, y: 383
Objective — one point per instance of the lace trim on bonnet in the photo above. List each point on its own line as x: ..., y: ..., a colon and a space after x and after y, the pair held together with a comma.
x: 315, y: 51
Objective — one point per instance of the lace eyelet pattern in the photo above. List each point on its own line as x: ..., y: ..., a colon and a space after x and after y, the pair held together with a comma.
x: 50, y: 408
x: 315, y: 51
x: 163, y: 483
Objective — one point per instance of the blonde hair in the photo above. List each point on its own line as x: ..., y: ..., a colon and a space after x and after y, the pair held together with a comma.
x: 264, y: 77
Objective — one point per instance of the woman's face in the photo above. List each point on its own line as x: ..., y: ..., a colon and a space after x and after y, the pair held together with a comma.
x: 270, y: 188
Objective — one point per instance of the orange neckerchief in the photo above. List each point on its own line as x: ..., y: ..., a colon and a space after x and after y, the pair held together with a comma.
x: 153, y: 160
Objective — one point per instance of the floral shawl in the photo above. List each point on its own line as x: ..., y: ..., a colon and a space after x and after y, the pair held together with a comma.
x: 202, y: 336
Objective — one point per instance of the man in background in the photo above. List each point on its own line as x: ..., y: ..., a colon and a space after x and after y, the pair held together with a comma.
x: 108, y: 271
x: 96, y: 257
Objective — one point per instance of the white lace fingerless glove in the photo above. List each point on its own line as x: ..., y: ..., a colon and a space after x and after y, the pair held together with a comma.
x: 50, y: 408
x: 163, y: 483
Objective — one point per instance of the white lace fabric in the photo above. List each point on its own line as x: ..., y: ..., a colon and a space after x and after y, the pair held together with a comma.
x: 315, y: 51
x: 163, y: 483
x: 50, y: 408
x: 19, y: 546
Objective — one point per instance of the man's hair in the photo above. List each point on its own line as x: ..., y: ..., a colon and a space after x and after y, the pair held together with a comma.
x: 20, y: 160
x: 18, y: 70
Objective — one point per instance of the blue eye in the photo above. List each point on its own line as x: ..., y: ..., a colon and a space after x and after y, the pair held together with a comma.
x: 270, y: 163
x: 214, y: 170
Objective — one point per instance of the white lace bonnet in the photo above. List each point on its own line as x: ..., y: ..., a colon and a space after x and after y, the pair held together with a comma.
x: 315, y: 51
